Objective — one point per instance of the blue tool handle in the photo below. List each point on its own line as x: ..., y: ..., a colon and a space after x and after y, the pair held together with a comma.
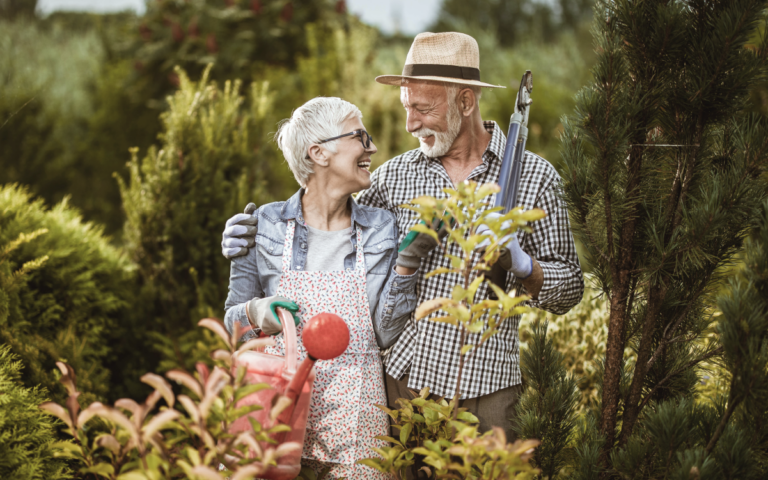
x: 506, y: 178
x: 510, y: 199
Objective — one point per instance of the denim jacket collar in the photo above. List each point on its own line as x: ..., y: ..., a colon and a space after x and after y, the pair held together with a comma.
x: 292, y: 210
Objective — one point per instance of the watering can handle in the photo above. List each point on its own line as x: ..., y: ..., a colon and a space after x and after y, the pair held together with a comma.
x: 291, y: 344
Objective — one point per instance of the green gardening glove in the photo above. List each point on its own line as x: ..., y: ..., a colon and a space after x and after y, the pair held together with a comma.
x: 262, y: 313
x: 417, y: 245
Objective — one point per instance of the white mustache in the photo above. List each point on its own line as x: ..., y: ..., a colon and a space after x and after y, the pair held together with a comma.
x: 423, y: 133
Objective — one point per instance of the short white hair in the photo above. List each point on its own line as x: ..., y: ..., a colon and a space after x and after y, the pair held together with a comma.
x: 318, y: 119
x: 453, y: 89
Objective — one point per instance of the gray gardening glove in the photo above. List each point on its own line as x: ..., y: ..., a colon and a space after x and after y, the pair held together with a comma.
x: 262, y: 313
x: 416, y: 246
x: 240, y: 233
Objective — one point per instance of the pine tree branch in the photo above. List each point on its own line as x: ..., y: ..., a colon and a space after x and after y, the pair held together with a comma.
x: 583, y: 210
x: 746, y: 15
x: 685, y: 367
x: 732, y: 404
x: 673, y: 326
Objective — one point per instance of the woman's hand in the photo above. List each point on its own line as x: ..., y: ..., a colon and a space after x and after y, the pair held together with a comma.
x: 417, y: 245
x: 262, y: 313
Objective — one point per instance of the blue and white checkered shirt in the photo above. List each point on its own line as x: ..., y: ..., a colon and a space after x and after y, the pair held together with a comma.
x: 431, y: 349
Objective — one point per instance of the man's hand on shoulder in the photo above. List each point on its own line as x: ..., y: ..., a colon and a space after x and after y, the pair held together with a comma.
x: 240, y: 233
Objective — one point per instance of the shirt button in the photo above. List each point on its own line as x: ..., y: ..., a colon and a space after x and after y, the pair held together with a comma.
x: 298, y: 267
x: 389, y: 310
x: 304, y: 246
x: 394, y: 284
x: 380, y: 247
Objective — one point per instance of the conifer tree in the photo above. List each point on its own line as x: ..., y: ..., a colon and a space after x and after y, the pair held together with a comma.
x: 26, y: 433
x: 547, y: 408
x: 215, y: 157
x: 663, y: 180
x: 64, y: 292
x: 743, y: 330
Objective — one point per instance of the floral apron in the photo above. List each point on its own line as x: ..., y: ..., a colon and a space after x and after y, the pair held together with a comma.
x: 343, y: 419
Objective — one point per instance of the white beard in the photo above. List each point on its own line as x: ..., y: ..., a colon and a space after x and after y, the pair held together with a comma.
x: 443, y: 140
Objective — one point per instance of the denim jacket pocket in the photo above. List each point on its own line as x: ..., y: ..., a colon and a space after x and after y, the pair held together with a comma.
x: 270, y: 253
x: 377, y: 256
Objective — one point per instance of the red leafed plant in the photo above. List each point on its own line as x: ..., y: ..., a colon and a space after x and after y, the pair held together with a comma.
x: 134, y: 441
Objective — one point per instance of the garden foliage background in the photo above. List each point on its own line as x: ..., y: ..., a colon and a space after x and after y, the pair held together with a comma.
x: 81, y: 90
x: 126, y: 142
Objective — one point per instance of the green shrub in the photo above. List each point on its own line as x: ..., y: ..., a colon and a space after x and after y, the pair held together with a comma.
x: 547, y: 407
x: 215, y: 156
x: 242, y: 37
x: 152, y: 440
x: 68, y: 115
x: 69, y: 306
x: 438, y: 439
x: 26, y: 433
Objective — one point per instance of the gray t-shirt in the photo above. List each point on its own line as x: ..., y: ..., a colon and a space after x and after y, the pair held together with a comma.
x: 326, y: 251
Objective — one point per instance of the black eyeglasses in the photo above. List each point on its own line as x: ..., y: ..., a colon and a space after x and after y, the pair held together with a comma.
x: 365, y: 138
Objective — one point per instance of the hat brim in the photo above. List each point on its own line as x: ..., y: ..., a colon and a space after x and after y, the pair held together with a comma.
x: 396, y: 80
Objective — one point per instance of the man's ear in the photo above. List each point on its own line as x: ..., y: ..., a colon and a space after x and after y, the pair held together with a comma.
x: 467, y: 102
x: 318, y: 155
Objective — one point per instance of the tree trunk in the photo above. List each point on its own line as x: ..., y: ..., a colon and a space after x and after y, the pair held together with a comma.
x: 622, y: 280
x: 632, y: 405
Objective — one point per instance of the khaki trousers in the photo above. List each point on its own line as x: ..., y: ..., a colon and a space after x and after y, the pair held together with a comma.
x: 495, y: 409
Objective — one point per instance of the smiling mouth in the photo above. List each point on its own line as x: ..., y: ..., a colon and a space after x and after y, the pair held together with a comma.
x: 365, y: 165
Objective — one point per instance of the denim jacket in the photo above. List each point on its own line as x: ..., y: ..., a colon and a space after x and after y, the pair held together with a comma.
x: 391, y: 297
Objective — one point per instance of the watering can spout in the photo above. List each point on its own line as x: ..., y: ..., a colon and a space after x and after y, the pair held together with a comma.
x: 325, y: 337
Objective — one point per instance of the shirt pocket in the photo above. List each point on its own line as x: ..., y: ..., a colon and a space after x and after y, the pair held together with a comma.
x: 270, y: 253
x: 378, y: 256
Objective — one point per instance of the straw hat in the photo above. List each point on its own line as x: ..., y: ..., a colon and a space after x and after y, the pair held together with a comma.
x: 444, y: 57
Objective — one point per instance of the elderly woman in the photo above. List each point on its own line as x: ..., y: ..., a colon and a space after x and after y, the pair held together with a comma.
x: 322, y: 252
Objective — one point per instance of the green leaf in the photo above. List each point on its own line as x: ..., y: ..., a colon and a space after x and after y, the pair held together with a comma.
x: 405, y: 433
x: 445, y: 319
x: 466, y: 348
x: 106, y: 470
x: 472, y: 290
x: 486, y: 189
x: 467, y: 417
x: 243, y: 411
x: 458, y: 293
x: 388, y: 439
x: 279, y: 428
x: 134, y: 475
x: 249, y: 389
x: 532, y: 215
x: 476, y: 326
x: 373, y: 463
x: 439, y: 271
x: 421, y: 228
x: 430, y: 306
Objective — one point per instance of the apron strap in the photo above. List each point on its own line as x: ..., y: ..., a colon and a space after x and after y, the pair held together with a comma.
x: 360, y: 259
x: 290, y: 229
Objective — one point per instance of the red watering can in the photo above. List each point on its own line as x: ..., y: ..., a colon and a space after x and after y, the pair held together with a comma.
x: 325, y: 336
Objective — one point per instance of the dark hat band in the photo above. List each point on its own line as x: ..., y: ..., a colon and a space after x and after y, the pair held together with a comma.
x: 449, y: 71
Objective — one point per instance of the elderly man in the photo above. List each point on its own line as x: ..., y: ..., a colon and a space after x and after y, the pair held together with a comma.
x: 440, y: 88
